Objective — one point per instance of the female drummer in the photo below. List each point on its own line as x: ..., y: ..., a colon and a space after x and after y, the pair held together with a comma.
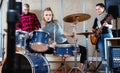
x: 57, y: 35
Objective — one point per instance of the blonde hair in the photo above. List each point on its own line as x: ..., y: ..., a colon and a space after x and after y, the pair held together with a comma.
x: 47, y: 9
x: 26, y: 5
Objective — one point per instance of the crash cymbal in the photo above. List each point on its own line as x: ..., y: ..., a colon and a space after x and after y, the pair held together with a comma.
x: 79, y: 17
x: 84, y: 33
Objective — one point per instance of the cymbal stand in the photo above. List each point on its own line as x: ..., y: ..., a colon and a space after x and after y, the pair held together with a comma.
x: 86, y: 65
x: 75, y: 66
x: 62, y: 66
x: 24, y: 38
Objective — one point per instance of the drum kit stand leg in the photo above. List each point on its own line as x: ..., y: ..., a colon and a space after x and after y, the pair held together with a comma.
x: 75, y: 66
x: 21, y: 47
x: 62, y: 66
x: 96, y: 65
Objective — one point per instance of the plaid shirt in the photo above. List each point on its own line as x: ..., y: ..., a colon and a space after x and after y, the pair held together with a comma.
x: 28, y: 22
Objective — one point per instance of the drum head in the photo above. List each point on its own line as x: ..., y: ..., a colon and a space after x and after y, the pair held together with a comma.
x: 30, y: 63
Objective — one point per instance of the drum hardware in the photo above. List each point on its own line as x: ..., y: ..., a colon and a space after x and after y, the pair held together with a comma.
x: 64, y: 49
x: 46, y: 65
x: 79, y: 17
x: 21, y: 37
x: 75, y: 18
x: 29, y: 63
x: 35, y: 66
x: 39, y: 41
x: 86, y: 34
x: 62, y: 66
x: 75, y: 66
x: 96, y: 65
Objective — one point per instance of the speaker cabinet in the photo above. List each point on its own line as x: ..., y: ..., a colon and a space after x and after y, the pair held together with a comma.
x: 114, y: 58
x: 114, y: 32
x: 113, y: 7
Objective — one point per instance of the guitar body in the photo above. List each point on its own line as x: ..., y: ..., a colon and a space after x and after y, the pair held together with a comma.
x: 94, y: 38
x: 98, y: 31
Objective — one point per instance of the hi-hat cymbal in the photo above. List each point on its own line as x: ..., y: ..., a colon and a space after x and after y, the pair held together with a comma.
x: 84, y: 33
x: 79, y: 17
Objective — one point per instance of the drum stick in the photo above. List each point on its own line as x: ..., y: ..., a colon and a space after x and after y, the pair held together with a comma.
x: 54, y: 33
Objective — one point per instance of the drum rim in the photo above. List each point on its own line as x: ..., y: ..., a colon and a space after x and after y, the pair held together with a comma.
x: 24, y: 55
x: 29, y: 60
x: 48, y: 66
x: 22, y: 31
x: 41, y: 31
x: 65, y: 45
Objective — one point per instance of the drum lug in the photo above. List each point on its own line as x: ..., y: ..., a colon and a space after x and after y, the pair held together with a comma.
x: 35, y: 66
x: 46, y: 65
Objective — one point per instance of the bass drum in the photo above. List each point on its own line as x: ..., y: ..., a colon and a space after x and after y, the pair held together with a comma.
x: 29, y: 63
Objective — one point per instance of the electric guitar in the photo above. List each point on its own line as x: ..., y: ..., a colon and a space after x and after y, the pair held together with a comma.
x: 97, y: 34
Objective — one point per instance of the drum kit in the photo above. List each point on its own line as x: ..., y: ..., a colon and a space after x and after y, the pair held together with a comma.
x: 38, y: 42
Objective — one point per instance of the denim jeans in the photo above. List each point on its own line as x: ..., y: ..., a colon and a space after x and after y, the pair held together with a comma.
x: 101, y: 46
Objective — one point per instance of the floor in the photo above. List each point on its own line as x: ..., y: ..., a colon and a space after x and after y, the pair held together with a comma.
x: 68, y: 71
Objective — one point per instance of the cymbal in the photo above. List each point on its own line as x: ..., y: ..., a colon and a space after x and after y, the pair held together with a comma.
x: 84, y: 33
x: 79, y: 17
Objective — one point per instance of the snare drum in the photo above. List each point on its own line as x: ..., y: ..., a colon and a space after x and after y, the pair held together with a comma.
x: 21, y: 37
x: 29, y: 63
x: 39, y: 41
x: 64, y: 49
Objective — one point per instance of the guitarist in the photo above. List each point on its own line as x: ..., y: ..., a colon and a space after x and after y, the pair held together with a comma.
x: 103, y: 24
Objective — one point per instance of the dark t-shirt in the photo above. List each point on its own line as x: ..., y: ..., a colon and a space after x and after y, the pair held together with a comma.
x: 108, y: 19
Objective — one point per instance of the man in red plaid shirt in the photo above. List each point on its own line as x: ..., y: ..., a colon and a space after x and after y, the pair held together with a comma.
x: 28, y: 21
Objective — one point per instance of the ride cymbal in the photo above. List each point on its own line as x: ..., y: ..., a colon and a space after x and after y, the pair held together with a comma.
x: 79, y: 17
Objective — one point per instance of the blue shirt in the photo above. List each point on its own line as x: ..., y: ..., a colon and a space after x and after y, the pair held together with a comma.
x: 60, y: 37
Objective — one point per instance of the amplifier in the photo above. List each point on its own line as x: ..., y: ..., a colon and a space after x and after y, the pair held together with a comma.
x: 114, y: 57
